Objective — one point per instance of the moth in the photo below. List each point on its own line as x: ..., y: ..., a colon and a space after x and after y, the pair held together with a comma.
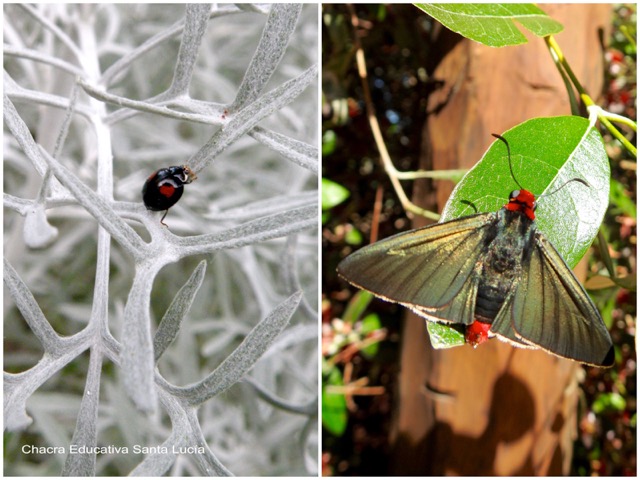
x: 494, y: 273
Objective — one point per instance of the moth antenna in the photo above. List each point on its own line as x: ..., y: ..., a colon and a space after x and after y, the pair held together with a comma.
x: 509, y: 155
x: 584, y: 182
x: 471, y: 204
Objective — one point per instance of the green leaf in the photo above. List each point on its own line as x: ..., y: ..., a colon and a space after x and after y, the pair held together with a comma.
x: 332, y: 194
x: 609, y: 402
x: 371, y: 323
x: 356, y: 306
x: 353, y: 236
x: 545, y: 154
x: 621, y: 200
x: 329, y: 142
x: 334, y: 406
x: 443, y: 336
x: 492, y: 24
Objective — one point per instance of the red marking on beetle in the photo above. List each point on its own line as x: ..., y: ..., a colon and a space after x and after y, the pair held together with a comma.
x: 167, y: 190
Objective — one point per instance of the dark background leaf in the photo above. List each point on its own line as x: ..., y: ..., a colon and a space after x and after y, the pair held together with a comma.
x: 334, y: 405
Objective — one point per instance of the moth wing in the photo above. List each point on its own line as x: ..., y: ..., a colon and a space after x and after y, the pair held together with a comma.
x: 552, y: 310
x: 431, y: 270
x: 502, y: 325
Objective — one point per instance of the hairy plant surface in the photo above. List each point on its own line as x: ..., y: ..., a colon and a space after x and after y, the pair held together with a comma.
x: 133, y: 347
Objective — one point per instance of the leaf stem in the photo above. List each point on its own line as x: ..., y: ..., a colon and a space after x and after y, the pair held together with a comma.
x: 390, y: 169
x: 602, y: 115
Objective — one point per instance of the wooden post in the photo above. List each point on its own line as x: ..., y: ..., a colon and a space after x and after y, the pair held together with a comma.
x: 495, y: 410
